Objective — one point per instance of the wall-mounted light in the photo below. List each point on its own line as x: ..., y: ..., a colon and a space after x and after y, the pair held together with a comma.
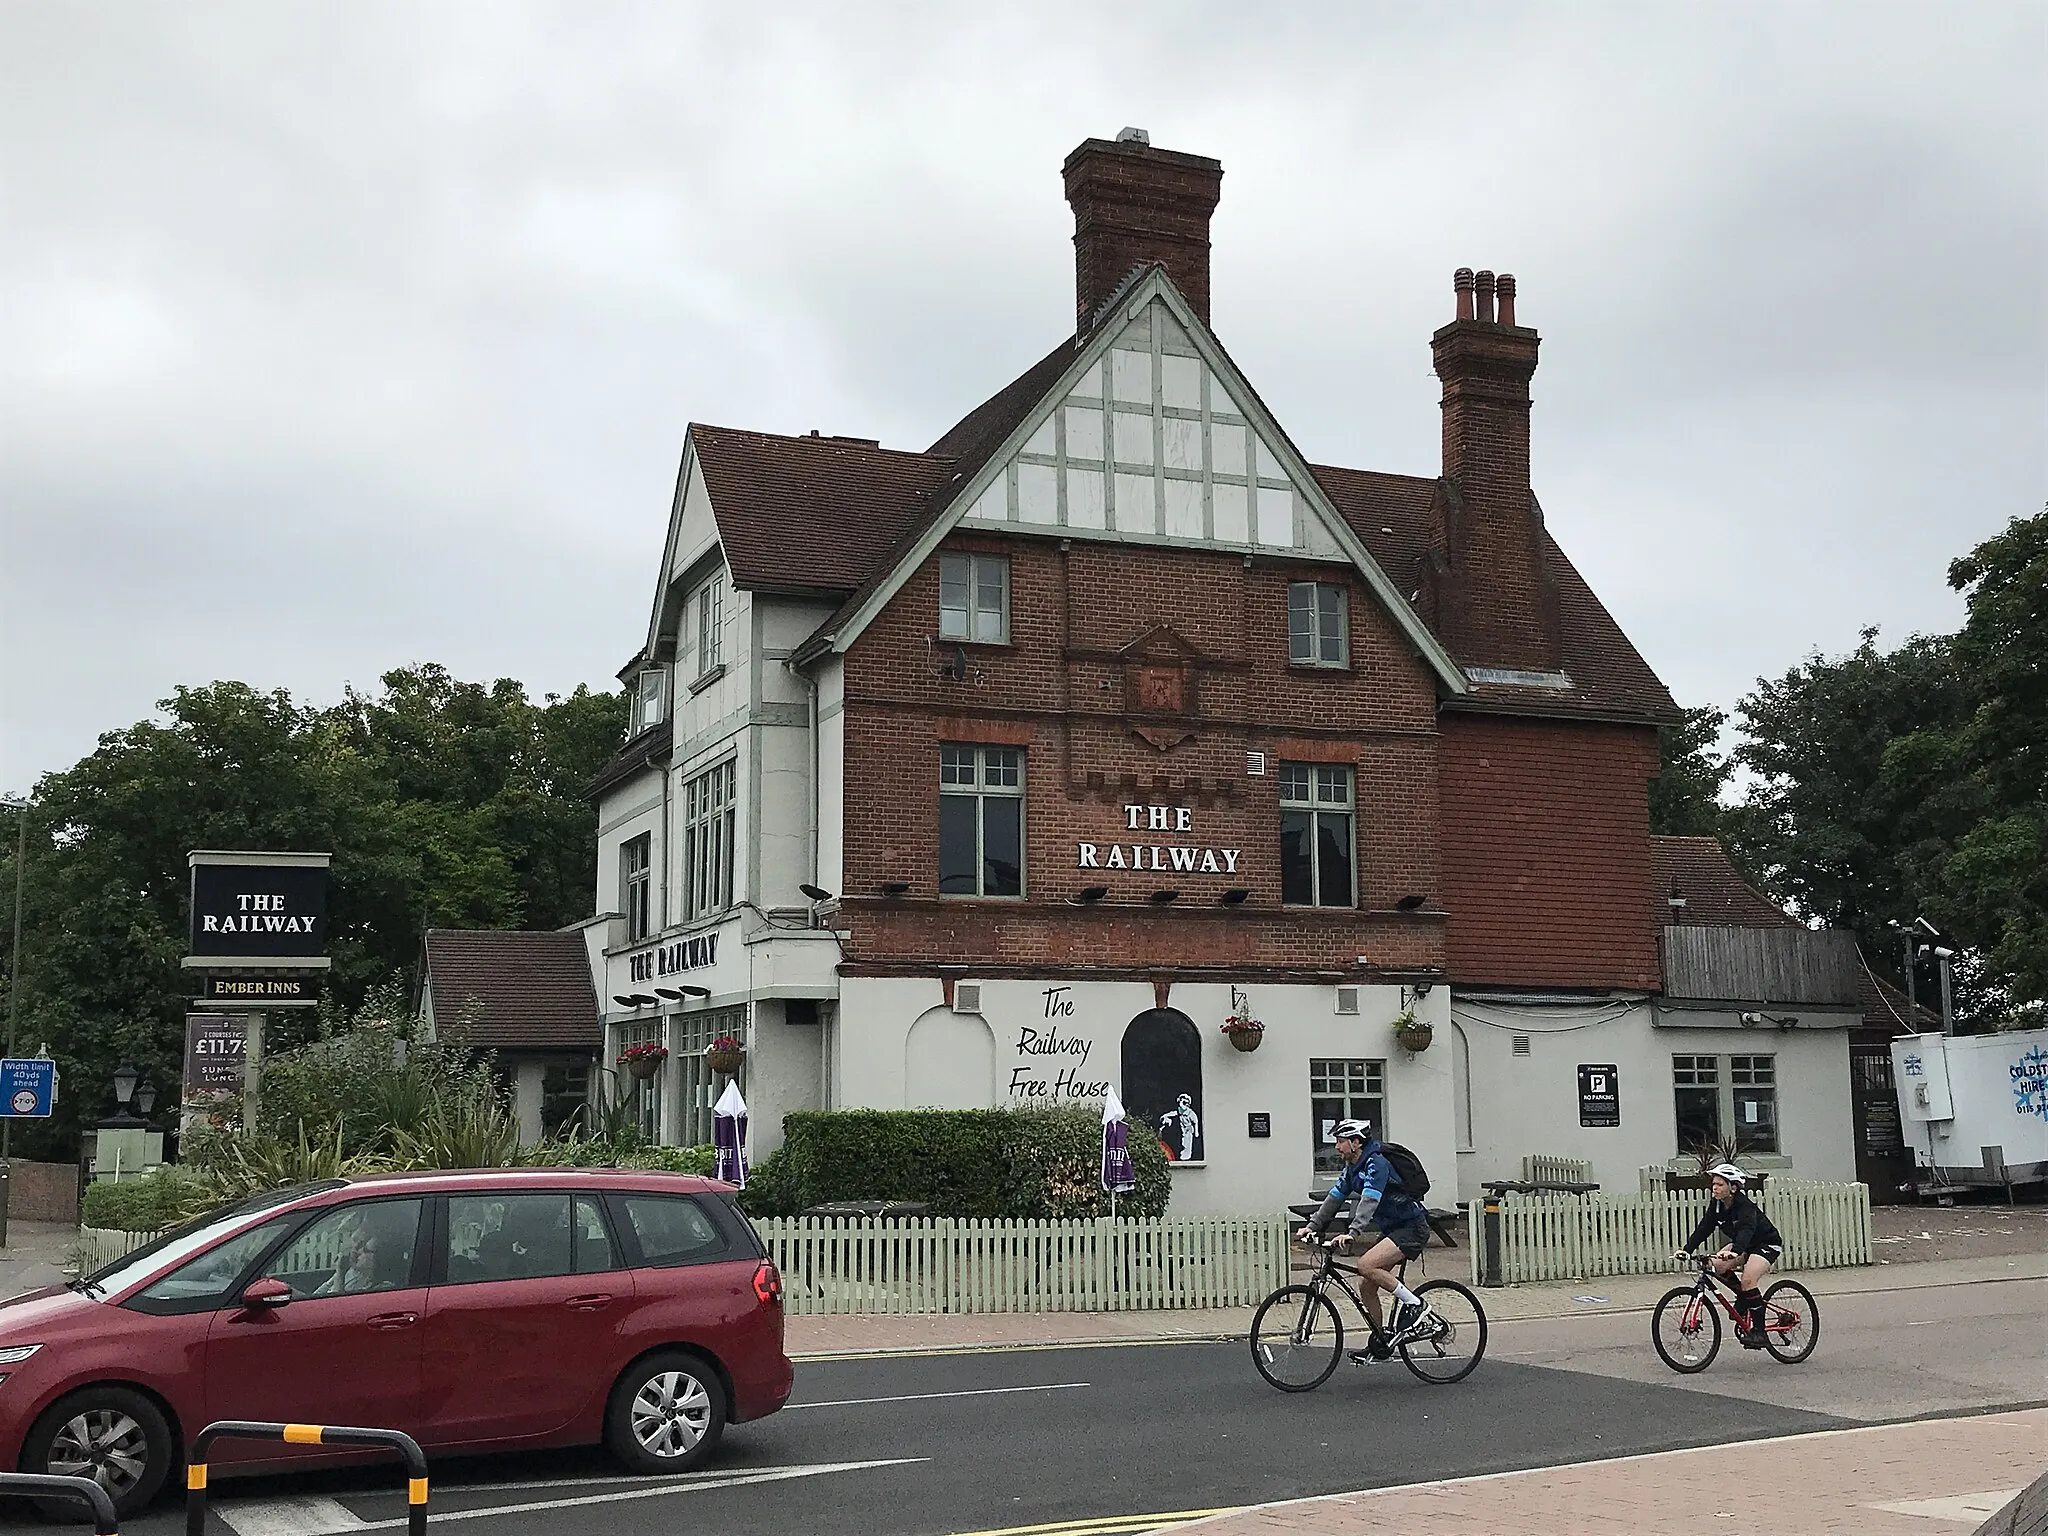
x: 1161, y: 898
x: 1088, y: 894
x: 1410, y: 902
x: 694, y: 992
x: 1236, y: 896
x: 1423, y: 988
x: 816, y: 892
x: 1676, y: 900
x: 894, y: 887
x: 670, y: 993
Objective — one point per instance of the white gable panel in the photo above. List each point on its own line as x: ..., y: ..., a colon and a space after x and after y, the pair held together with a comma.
x: 1130, y: 375
x: 1136, y: 504
x: 1180, y: 382
x: 1084, y: 432
x: 1184, y: 509
x: 1086, y: 505
x: 1042, y: 439
x: 1233, y: 514
x: 1226, y: 447
x: 1038, y: 493
x: 993, y: 504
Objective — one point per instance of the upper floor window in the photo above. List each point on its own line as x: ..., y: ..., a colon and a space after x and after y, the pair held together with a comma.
x: 981, y: 821
x: 636, y: 885
x: 709, y: 816
x: 710, y: 605
x: 974, y: 597
x: 1318, y: 625
x: 648, y: 696
x: 1316, y: 848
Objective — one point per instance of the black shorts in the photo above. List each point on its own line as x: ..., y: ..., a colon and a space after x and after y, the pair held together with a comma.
x: 1412, y: 1238
x: 1768, y: 1253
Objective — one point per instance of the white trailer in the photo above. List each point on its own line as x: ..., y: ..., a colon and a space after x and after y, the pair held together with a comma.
x: 1975, y: 1107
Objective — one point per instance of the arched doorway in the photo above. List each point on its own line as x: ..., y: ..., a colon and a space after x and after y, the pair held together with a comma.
x: 949, y: 1062
x: 1162, y: 1062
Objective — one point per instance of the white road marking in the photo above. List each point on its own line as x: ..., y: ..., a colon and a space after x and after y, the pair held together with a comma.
x: 924, y: 1397
x: 310, y: 1516
x: 1965, y: 1506
x: 668, y: 1489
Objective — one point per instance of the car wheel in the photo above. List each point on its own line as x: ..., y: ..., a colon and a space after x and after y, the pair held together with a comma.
x: 115, y: 1436
x: 667, y: 1414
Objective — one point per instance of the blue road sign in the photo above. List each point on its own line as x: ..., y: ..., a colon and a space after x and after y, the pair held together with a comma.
x: 28, y: 1087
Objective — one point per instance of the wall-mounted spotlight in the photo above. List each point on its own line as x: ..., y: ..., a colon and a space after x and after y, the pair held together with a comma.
x: 694, y: 992
x: 1422, y: 988
x: 1236, y: 896
x: 670, y: 993
x: 895, y: 887
x: 1161, y: 898
x: 816, y: 892
x: 1410, y: 902
x: 625, y: 1001
x: 1087, y: 895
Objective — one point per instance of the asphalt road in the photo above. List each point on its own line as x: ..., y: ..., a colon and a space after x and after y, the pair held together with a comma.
x: 927, y: 1445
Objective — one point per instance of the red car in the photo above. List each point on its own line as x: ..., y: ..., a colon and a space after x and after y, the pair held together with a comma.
x: 486, y: 1310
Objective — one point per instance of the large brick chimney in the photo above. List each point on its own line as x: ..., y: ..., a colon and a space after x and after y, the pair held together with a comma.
x: 1494, y: 601
x: 1134, y: 205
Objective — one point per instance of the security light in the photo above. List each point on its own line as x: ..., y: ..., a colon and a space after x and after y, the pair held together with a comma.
x: 1087, y: 894
x: 895, y: 887
x: 1410, y: 902
x: 1236, y: 896
x: 815, y: 892
x: 1161, y: 898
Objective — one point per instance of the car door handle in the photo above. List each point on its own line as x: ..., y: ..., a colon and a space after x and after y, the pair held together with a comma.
x: 387, y: 1321
x: 594, y: 1303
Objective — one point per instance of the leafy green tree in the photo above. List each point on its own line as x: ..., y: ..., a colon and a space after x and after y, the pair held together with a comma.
x: 443, y: 803
x: 1685, y: 797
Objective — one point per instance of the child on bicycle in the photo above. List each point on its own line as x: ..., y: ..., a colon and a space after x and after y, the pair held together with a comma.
x: 1370, y: 1181
x: 1752, y: 1245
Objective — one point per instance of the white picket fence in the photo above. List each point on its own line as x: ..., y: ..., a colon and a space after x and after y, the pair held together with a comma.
x: 926, y: 1265
x: 1541, y: 1168
x: 99, y: 1246
x: 1578, y: 1237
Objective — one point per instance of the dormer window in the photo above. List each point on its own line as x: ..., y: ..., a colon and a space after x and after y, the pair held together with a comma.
x: 649, y: 697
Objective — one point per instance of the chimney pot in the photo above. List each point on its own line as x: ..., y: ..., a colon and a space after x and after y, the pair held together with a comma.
x: 1483, y: 281
x: 1133, y: 136
x: 1461, y: 280
x: 1504, y: 285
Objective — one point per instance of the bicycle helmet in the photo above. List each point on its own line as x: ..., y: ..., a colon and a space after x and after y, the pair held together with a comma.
x: 1730, y: 1172
x: 1357, y: 1130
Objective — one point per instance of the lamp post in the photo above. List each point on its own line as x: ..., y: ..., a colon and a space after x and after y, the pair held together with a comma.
x: 19, y: 806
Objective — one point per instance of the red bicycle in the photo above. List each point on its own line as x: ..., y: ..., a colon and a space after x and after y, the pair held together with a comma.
x: 1687, y: 1329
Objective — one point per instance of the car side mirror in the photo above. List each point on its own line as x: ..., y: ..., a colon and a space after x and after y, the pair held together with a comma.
x: 267, y: 1293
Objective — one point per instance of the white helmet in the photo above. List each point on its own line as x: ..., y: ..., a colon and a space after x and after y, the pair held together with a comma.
x: 1730, y: 1172
x: 1354, y: 1130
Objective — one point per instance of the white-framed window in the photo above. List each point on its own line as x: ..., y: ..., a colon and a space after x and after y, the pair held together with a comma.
x: 649, y: 695
x: 710, y: 606
x: 1318, y: 624
x: 1317, y: 848
x: 981, y: 821
x: 636, y: 885
x: 1343, y: 1088
x: 974, y: 597
x: 646, y: 1096
x: 1718, y: 1099
x: 698, y: 1085
x: 709, y: 819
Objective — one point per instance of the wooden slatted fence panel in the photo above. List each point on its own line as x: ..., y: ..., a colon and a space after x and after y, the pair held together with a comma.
x: 1567, y: 1237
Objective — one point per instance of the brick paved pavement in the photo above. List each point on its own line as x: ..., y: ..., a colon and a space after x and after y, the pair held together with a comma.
x: 1853, y: 1480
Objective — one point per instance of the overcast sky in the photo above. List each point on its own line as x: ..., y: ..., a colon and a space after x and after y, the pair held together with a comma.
x: 336, y: 337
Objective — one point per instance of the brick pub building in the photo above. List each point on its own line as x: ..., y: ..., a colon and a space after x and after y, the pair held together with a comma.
x: 997, y: 772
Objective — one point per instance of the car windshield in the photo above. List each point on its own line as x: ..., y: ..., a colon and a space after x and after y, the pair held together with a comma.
x: 195, y: 1235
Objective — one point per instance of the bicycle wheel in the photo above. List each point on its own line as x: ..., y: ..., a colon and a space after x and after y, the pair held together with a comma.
x: 1791, y: 1322
x: 1686, y: 1330
x: 1452, y: 1336
x: 1297, y: 1339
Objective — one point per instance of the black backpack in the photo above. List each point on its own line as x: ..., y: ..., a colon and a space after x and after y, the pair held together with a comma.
x: 1407, y: 1168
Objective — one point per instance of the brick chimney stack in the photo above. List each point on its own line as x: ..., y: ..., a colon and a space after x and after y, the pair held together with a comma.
x: 1133, y: 205
x: 1494, y: 599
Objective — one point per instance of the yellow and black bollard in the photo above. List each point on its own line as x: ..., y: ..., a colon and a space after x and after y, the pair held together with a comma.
x: 84, y: 1490
x: 305, y: 1434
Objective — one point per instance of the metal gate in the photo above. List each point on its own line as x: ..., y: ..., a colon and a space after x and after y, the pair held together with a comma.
x: 1883, y: 1160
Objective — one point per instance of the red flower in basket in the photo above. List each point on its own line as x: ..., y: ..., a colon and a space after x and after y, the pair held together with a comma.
x: 646, y: 1050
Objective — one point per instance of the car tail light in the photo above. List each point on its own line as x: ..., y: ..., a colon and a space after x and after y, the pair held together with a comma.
x: 767, y: 1283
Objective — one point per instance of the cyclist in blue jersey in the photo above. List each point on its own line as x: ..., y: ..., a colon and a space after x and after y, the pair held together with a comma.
x: 1380, y: 1204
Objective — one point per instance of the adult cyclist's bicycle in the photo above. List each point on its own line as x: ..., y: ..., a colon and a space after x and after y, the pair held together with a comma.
x: 1686, y: 1328
x: 1298, y: 1334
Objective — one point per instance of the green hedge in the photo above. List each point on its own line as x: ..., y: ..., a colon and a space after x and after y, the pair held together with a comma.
x: 157, y: 1200
x: 968, y: 1164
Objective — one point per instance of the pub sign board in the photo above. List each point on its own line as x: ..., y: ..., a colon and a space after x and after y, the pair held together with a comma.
x: 300, y: 990
x: 216, y: 1045
x: 1599, y: 1095
x: 251, y: 910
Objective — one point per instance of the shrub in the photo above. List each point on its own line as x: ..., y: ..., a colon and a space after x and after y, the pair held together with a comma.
x: 157, y: 1200
x: 967, y: 1164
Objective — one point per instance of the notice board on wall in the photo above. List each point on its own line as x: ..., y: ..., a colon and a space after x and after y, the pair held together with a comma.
x: 1599, y: 1095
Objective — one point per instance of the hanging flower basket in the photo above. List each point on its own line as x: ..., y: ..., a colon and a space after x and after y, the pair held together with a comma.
x: 644, y: 1060
x: 1244, y: 1032
x: 726, y: 1055
x: 1411, y: 1033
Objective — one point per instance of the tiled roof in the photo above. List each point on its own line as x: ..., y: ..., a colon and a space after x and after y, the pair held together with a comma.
x: 512, y: 991
x: 649, y: 747
x: 838, y: 514
x: 1716, y: 895
x: 1390, y: 514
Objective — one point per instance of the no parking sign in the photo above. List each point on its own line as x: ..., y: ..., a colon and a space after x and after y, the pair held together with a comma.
x: 28, y: 1087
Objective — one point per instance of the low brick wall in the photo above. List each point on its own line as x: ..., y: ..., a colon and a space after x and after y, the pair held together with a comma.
x: 42, y: 1192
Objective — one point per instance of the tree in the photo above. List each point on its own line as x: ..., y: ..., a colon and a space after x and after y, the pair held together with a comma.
x: 443, y: 802
x: 1685, y: 797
